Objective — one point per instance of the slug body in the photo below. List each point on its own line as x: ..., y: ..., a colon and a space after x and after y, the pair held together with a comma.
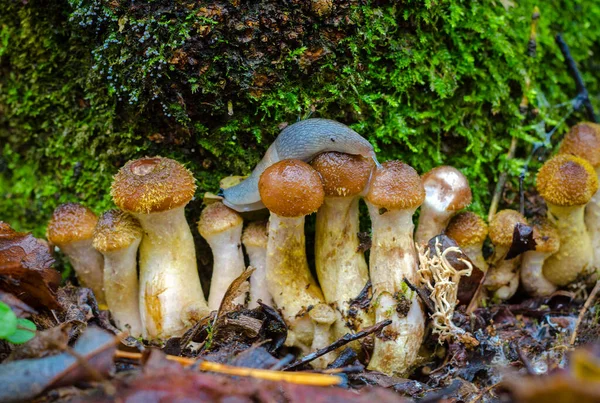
x: 303, y: 140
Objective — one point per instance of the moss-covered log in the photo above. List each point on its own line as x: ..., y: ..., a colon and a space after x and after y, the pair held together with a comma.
x: 86, y: 85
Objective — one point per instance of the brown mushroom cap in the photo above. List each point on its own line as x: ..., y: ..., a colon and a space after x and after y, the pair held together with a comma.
x: 566, y: 180
x: 583, y: 140
x: 447, y: 188
x: 255, y: 234
x: 71, y: 222
x: 467, y: 228
x: 152, y: 184
x: 116, y: 230
x: 216, y: 218
x: 396, y: 186
x: 546, y: 236
x: 291, y: 188
x: 503, y: 225
x: 343, y: 174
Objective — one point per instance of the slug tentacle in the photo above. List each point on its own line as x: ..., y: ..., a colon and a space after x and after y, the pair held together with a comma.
x: 303, y: 140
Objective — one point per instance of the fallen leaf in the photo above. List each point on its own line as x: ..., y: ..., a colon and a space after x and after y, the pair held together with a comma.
x: 522, y: 241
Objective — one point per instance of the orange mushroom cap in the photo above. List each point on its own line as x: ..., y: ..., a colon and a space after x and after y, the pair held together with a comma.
x: 567, y: 180
x: 216, y: 218
x: 291, y: 188
x: 255, y: 234
x: 467, y: 228
x: 152, y: 184
x: 583, y: 140
x: 343, y: 174
x: 71, y: 222
x: 116, y: 230
x: 503, y: 225
x: 545, y: 235
x: 396, y: 186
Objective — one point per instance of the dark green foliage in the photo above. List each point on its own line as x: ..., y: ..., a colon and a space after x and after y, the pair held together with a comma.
x: 86, y: 85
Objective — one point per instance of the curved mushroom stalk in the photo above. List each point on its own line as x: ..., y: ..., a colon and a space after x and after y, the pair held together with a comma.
x: 322, y: 317
x: 469, y: 231
x: 88, y: 265
x: 222, y: 229
x: 393, y: 258
x: 532, y: 277
x: 255, y: 241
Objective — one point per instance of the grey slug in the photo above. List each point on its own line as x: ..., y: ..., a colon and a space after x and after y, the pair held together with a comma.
x: 303, y: 140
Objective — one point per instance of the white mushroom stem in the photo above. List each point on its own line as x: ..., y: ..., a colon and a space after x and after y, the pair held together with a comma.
x: 592, y: 222
x: 228, y: 264
x: 322, y: 317
x: 121, y: 288
x: 503, y: 275
x: 258, y: 281
x: 341, y: 267
x: 171, y: 297
x: 475, y: 254
x: 432, y: 221
x: 575, y: 255
x: 393, y: 258
x: 88, y: 265
x: 532, y: 277
x: 288, y: 277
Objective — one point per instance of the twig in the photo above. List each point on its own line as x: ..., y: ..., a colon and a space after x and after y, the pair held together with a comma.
x: 524, y: 359
x: 347, y: 338
x: 422, y: 294
x: 583, y: 97
x: 301, y: 378
x: 484, y: 392
x: 501, y: 181
x: 583, y: 311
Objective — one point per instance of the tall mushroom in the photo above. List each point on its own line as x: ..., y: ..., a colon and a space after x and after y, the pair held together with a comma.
x: 567, y: 183
x: 469, y: 231
x: 117, y: 236
x: 395, y: 193
x: 255, y: 240
x: 503, y: 275
x: 71, y: 228
x: 583, y: 140
x: 222, y: 229
x: 446, y: 192
x: 341, y: 266
x: 291, y: 189
x: 547, y: 243
x: 155, y: 190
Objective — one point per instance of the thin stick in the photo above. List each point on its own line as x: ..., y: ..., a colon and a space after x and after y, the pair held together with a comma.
x: 347, y: 338
x: 501, y: 181
x: 300, y: 378
x: 484, y: 392
x: 583, y: 311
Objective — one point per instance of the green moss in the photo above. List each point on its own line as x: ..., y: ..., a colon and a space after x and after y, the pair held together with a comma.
x: 87, y: 85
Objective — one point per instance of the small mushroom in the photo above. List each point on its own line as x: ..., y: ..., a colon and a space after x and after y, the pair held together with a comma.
x: 547, y: 243
x: 291, y: 189
x: 155, y: 190
x: 447, y: 191
x: 254, y: 238
x: 71, y: 228
x: 567, y: 183
x: 395, y: 193
x: 503, y: 275
x: 341, y: 266
x: 583, y: 140
x: 469, y: 231
x: 117, y: 236
x: 222, y: 229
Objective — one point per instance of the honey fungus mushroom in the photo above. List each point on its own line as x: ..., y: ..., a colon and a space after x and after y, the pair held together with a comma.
x: 71, y: 228
x: 469, y: 231
x: 583, y: 140
x: 547, y: 243
x: 117, y: 236
x: 341, y: 266
x: 255, y: 238
x: 502, y: 279
x: 447, y: 191
x: 396, y: 191
x: 155, y: 190
x: 291, y: 189
x: 567, y: 183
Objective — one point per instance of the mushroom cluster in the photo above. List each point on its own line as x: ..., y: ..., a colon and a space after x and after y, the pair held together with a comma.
x: 323, y: 167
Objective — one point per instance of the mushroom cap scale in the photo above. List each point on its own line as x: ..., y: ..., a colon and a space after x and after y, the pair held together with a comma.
x: 467, y: 228
x: 291, y: 188
x: 447, y: 189
x: 256, y: 234
x: 343, y: 174
x: 152, y: 184
x: 116, y: 230
x: 396, y: 186
x: 71, y: 222
x: 546, y: 236
x: 216, y: 218
x: 583, y: 140
x: 567, y: 180
x: 503, y: 225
